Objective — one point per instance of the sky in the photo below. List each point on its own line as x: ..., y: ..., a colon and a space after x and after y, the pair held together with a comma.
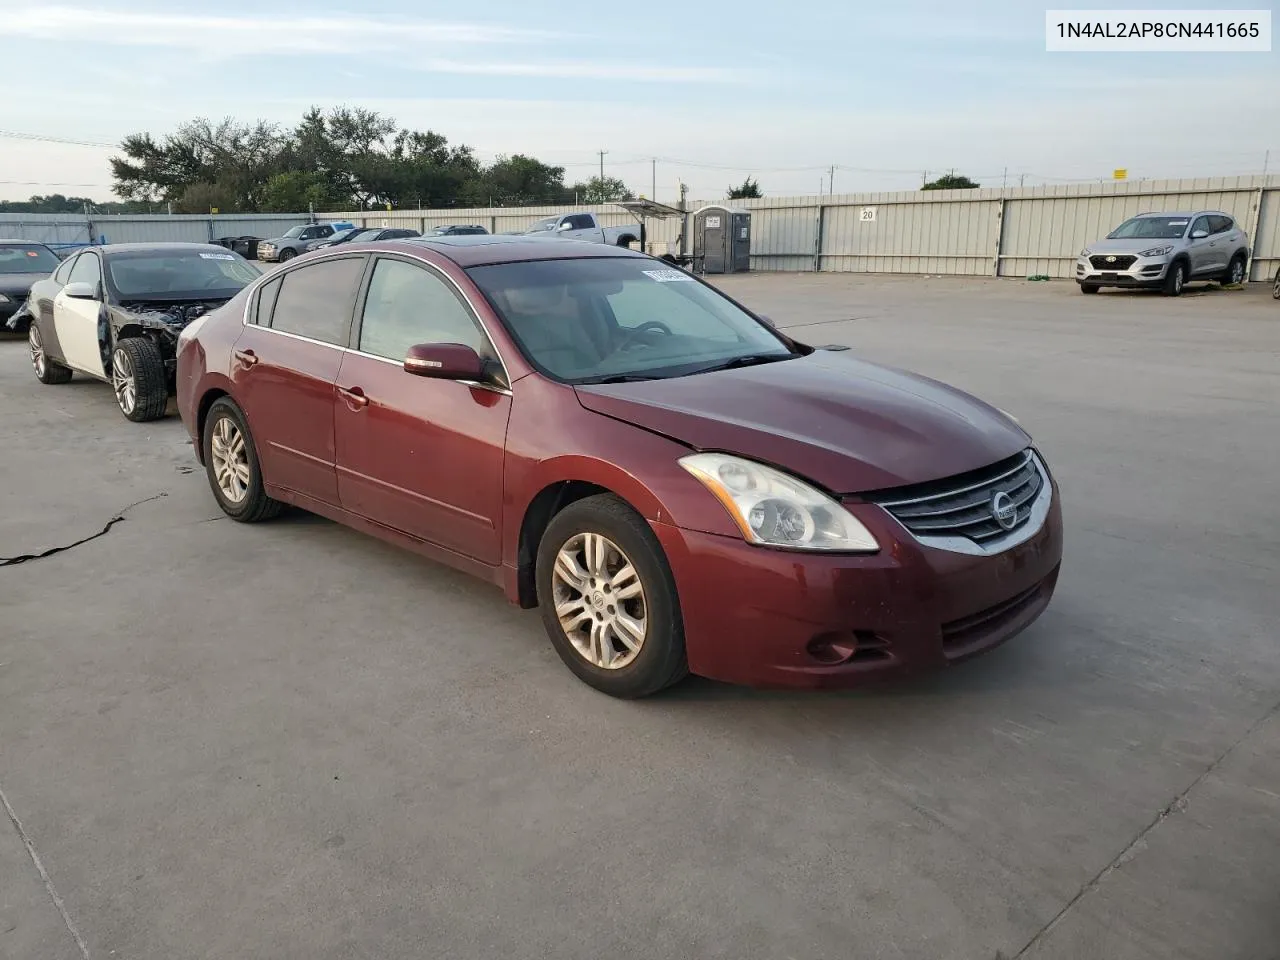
x: 714, y: 91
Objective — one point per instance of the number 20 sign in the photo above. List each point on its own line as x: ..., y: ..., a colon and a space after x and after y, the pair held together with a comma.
x: 867, y: 215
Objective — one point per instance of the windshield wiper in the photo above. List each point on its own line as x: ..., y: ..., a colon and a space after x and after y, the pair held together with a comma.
x: 747, y: 360
x: 617, y: 378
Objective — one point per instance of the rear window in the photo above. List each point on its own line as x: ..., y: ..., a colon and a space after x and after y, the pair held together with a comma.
x: 211, y: 274
x: 27, y: 258
x: 1150, y: 228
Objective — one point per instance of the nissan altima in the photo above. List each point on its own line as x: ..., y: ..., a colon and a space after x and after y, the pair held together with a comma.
x: 675, y: 484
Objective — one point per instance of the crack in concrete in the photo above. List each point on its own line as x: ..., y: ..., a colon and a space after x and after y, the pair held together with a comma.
x: 44, y: 874
x: 1134, y: 847
x: 117, y: 518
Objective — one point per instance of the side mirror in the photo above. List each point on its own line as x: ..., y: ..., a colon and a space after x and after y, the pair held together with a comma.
x: 444, y: 361
x: 768, y: 320
x: 80, y: 291
x: 1199, y: 234
x: 565, y: 226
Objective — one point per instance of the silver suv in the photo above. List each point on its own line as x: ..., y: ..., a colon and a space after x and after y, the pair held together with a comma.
x: 1165, y: 250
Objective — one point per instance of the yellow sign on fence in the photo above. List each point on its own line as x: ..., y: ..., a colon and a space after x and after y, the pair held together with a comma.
x: 1120, y: 173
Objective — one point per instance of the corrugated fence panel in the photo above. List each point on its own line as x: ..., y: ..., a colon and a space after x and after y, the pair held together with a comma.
x: 882, y: 234
x: 1266, y: 247
x: 56, y: 231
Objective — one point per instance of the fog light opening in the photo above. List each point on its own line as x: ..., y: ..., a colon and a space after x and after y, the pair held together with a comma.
x: 833, y: 648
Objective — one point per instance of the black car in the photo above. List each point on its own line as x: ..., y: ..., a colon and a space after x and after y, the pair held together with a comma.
x: 368, y: 234
x: 459, y: 230
x: 22, y: 263
x: 114, y: 313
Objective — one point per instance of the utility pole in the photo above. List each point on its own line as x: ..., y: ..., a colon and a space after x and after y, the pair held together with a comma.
x: 654, y: 195
x: 1004, y: 178
x: 602, y: 153
x: 924, y: 178
x: 831, y: 181
x: 1266, y: 162
x: 1022, y: 180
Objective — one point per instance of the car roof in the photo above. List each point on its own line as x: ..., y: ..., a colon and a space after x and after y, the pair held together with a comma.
x: 34, y: 243
x: 474, y: 250
x: 157, y: 247
x: 1180, y: 213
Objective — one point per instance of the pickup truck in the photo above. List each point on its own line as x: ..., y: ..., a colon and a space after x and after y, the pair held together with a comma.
x: 584, y: 226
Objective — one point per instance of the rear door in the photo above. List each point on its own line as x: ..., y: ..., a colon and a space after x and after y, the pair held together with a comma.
x: 1225, y: 239
x: 76, y: 321
x: 414, y: 454
x: 284, y: 367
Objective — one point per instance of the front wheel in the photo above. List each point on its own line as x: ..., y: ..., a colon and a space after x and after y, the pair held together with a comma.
x: 138, y: 378
x: 231, y: 462
x: 1088, y: 288
x: 1175, y: 280
x: 47, y: 371
x: 286, y: 255
x: 1275, y: 286
x: 608, y: 599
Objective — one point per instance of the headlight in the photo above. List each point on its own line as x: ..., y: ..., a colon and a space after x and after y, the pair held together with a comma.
x: 1010, y: 416
x: 775, y: 509
x: 1084, y: 252
x: 1157, y: 251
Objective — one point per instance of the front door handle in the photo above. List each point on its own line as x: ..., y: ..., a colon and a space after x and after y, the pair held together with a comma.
x: 247, y: 357
x: 354, y: 396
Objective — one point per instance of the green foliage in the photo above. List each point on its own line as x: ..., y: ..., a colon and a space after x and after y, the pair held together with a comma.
x: 346, y: 157
x: 951, y: 181
x: 57, y: 203
x: 749, y: 190
x: 601, y: 190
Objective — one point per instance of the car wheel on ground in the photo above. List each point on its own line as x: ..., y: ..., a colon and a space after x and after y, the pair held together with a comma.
x: 47, y: 371
x: 231, y: 462
x: 1175, y: 280
x: 1088, y: 288
x: 1235, y: 272
x: 138, y: 378
x: 287, y: 254
x: 1275, y: 286
x: 608, y: 599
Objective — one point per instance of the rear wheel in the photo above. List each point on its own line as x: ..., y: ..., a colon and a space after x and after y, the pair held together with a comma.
x: 1088, y: 288
x: 1235, y: 272
x: 138, y: 378
x: 231, y: 462
x: 1175, y: 280
x: 1275, y: 286
x: 47, y: 371
x: 608, y: 599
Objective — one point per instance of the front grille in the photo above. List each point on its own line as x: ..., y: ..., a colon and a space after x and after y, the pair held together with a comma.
x: 1102, y: 261
x: 964, y: 505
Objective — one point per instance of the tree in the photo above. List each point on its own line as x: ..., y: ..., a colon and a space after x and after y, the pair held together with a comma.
x: 298, y: 190
x: 951, y: 181
x: 749, y: 190
x: 514, y: 181
x: 602, y: 190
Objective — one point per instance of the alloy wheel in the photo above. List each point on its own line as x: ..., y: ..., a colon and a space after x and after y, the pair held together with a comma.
x: 230, y: 460
x: 1275, y: 287
x: 1237, y: 273
x: 1178, y: 279
x: 36, y: 343
x: 124, y: 381
x: 599, y: 601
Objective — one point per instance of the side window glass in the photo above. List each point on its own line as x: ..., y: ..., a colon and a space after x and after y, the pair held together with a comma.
x: 407, y: 305
x: 86, y: 269
x: 1221, y: 224
x: 63, y: 273
x: 582, y: 221
x: 315, y: 301
x: 324, y: 231
x: 266, y: 303
x: 1202, y: 223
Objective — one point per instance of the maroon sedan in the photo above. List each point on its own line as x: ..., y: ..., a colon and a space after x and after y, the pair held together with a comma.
x: 675, y: 484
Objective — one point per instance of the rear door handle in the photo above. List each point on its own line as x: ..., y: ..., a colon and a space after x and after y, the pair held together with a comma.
x: 247, y: 357
x: 354, y: 396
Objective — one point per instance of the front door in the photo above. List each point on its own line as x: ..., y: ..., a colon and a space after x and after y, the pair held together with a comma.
x: 419, y: 455
x: 77, y: 321
x: 284, y: 366
x: 1202, y: 248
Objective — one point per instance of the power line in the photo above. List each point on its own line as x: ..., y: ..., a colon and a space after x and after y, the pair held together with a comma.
x: 41, y: 138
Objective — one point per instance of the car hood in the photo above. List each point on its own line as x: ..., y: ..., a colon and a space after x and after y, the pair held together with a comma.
x: 19, y: 283
x: 1134, y: 245
x: 846, y: 424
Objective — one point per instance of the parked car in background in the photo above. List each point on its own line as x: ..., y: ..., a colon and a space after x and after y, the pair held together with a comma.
x: 367, y: 235
x: 22, y: 263
x: 297, y: 239
x: 458, y: 230
x: 325, y: 241
x: 114, y: 313
x: 584, y: 226
x: 1166, y: 250
x: 677, y: 485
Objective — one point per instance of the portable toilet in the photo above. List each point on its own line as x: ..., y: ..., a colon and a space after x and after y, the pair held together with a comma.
x: 722, y: 239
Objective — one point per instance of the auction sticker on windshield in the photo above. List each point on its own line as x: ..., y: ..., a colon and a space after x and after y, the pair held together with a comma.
x: 216, y: 256
x: 667, y: 276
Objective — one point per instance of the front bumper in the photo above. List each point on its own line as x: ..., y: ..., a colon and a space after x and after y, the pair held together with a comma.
x: 268, y: 255
x: 764, y: 617
x: 1144, y: 272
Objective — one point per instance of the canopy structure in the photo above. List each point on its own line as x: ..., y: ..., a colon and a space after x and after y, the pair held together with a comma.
x: 642, y: 209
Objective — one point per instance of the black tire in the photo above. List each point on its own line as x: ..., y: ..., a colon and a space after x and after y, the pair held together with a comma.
x: 255, y: 505
x: 137, y: 361
x: 1175, y: 279
x: 286, y: 255
x: 625, y: 241
x: 47, y: 371
x: 660, y: 660
x: 1088, y: 288
x: 1234, y: 274
x: 1275, y: 286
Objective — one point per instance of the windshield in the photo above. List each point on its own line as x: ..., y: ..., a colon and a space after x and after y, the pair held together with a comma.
x: 341, y: 236
x: 588, y: 320
x: 27, y: 258
x: 1150, y: 228
x: 543, y: 225
x: 292, y: 233
x: 363, y: 234
x: 191, y: 275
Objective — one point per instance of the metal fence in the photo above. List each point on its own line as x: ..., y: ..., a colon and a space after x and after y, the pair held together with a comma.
x: 988, y: 232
